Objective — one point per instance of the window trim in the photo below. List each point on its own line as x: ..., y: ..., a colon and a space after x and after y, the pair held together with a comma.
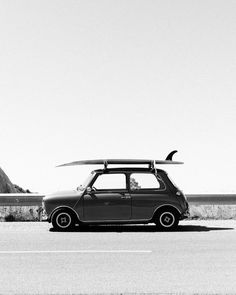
x: 158, y: 178
x: 110, y: 189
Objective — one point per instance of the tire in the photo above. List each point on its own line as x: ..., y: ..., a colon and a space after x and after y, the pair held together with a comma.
x: 167, y: 220
x: 63, y: 220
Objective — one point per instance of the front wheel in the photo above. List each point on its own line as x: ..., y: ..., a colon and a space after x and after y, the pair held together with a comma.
x: 63, y: 220
x: 167, y: 220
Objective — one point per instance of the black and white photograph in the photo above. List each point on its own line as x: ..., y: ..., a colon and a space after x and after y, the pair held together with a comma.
x: 118, y: 147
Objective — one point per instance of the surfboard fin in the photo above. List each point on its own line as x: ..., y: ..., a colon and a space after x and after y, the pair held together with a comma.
x: 170, y: 155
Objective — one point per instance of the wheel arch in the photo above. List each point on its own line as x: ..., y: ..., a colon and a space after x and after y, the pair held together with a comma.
x: 65, y: 208
x: 164, y: 207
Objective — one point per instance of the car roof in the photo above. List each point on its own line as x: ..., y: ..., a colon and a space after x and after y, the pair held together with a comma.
x: 127, y: 169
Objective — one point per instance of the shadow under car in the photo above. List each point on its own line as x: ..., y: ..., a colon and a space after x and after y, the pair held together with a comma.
x: 140, y: 228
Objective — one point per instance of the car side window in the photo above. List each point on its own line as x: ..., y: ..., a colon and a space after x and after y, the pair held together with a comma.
x: 110, y: 181
x: 140, y: 181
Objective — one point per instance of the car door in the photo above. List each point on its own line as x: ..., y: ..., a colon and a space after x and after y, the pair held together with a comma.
x: 148, y: 192
x: 108, y: 200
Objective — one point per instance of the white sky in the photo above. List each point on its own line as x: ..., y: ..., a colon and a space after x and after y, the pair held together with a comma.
x: 118, y: 79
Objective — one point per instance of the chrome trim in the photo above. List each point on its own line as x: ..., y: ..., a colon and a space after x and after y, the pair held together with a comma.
x: 118, y: 221
x: 167, y: 226
x: 54, y: 211
x: 158, y: 178
x: 61, y: 226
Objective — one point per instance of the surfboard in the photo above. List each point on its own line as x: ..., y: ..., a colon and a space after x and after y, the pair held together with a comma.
x: 107, y: 162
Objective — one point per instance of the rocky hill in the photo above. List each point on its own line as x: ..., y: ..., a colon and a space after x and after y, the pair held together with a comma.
x: 6, y: 186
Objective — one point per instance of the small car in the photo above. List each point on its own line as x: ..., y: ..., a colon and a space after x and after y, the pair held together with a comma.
x: 123, y: 195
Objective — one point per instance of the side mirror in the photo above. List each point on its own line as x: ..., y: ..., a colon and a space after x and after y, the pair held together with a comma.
x: 88, y: 190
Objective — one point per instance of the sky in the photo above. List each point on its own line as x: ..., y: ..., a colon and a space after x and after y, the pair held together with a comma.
x: 97, y: 79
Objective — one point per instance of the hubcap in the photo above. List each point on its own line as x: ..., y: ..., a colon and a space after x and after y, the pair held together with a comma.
x: 167, y: 219
x: 63, y: 220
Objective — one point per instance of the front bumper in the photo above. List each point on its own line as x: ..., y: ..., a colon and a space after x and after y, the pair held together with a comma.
x: 44, y: 213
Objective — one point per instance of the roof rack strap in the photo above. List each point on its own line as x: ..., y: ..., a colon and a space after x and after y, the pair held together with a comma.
x: 152, y: 164
x: 105, y: 164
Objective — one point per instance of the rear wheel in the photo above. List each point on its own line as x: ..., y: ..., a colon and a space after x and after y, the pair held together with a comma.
x: 63, y: 220
x: 166, y: 220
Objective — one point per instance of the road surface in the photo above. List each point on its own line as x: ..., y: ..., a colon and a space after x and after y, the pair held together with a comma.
x: 200, y: 257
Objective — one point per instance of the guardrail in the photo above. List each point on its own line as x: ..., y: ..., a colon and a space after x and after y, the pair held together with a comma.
x: 195, y: 199
x: 21, y: 207
x: 211, y: 199
x: 21, y: 199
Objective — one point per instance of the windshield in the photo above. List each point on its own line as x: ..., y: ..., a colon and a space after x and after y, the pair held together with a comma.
x: 86, y: 182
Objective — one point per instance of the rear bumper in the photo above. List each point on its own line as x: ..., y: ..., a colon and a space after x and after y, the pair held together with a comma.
x: 185, y: 214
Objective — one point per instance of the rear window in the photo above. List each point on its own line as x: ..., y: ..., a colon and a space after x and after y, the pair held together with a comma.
x: 139, y: 181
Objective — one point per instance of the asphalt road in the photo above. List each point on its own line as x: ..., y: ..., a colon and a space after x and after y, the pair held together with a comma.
x: 200, y: 257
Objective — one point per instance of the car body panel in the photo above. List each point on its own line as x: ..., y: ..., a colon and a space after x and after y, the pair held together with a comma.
x: 119, y: 205
x: 146, y: 202
x: 62, y: 199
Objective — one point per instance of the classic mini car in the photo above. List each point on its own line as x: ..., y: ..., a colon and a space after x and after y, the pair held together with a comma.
x: 120, y: 196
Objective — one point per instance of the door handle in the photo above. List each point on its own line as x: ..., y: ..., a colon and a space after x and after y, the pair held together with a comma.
x: 125, y: 196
